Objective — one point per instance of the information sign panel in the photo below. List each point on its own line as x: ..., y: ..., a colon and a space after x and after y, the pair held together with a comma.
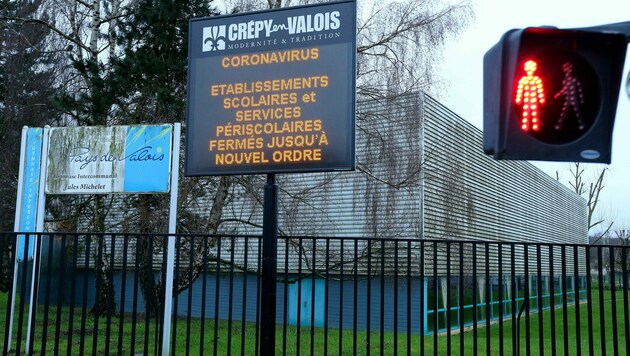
x: 272, y: 91
x: 114, y: 159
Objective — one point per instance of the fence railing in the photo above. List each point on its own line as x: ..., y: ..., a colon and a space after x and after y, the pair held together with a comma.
x: 104, y: 294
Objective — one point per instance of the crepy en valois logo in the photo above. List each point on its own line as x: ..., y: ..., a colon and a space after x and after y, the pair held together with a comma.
x: 213, y: 38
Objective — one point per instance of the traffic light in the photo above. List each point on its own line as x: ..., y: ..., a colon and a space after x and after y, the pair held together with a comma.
x: 551, y: 94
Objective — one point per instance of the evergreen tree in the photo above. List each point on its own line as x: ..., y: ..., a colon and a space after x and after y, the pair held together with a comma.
x: 148, y: 81
x: 27, y: 76
x: 150, y: 75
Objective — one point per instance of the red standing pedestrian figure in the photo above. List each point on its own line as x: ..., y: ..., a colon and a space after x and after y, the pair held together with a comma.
x: 530, y: 93
x: 573, y: 97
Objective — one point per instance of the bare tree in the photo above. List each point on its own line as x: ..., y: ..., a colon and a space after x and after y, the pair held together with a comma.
x: 591, y: 192
x: 399, y: 44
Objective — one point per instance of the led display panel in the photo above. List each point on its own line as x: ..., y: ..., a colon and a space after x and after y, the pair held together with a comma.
x: 272, y: 91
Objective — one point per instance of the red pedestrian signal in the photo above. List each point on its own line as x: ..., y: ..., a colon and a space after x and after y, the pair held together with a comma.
x: 551, y: 94
x: 530, y: 94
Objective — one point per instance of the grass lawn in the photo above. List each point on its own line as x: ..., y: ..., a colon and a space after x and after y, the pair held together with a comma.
x: 66, y: 331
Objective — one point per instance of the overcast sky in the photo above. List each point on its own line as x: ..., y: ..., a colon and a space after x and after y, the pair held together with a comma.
x: 462, y: 69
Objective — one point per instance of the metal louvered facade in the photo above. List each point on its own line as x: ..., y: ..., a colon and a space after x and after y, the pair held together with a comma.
x: 422, y: 174
x: 468, y: 195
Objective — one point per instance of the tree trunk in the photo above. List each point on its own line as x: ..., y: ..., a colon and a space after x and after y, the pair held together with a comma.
x: 105, y: 303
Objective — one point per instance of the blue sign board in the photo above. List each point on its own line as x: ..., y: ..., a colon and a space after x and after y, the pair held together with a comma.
x: 28, y: 214
x: 103, y: 160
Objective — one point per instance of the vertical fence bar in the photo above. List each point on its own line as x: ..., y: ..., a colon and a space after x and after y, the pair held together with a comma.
x: 98, y: 266
x: 123, y: 289
x: 527, y: 297
x: 163, y: 347
x: 423, y: 301
x: 513, y: 289
x: 409, y: 271
x: 204, y: 289
x: 448, y: 298
x: 461, y: 302
x: 565, y: 305
x: 626, y: 318
x: 23, y: 283
x: 10, y: 239
x: 217, y: 297
x: 191, y: 257
x: 368, y: 308
x: 298, y: 333
x: 589, y: 302
x: 73, y: 293
x: 63, y: 276
x: 541, y: 305
x: 313, y: 301
x: 47, y: 291
x: 395, y: 270
x: 488, y: 298
x: 474, y: 299
x: 436, y: 307
x: 134, y: 307
x: 35, y: 288
x: 341, y: 285
x: 501, y: 298
x: 231, y: 300
x: 244, y: 303
x: 576, y: 300
x: 552, y: 300
x: 147, y: 315
x: 600, y: 280
x: 258, y: 293
x: 326, y: 291
x: 613, y: 299
x: 285, y: 312
x: 382, y: 298
x: 355, y: 297
x: 110, y: 291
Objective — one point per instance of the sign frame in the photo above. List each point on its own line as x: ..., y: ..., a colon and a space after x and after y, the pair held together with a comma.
x: 317, y: 135
x: 110, y: 159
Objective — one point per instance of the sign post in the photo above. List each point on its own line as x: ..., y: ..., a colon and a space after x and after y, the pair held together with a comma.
x: 26, y: 207
x: 269, y: 265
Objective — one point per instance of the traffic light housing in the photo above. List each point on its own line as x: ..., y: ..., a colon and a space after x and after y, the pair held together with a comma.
x: 551, y: 94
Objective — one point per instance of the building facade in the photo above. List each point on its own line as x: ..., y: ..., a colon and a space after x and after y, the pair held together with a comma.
x: 421, y: 173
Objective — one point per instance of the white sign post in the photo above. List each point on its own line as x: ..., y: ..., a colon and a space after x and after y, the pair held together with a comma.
x: 170, y: 257
x: 26, y: 204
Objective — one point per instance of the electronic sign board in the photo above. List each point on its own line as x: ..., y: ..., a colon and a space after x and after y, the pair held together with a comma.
x: 272, y: 91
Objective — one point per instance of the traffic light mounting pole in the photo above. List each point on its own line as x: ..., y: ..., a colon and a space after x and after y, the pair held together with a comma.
x: 619, y: 27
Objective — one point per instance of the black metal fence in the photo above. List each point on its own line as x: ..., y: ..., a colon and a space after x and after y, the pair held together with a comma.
x: 104, y: 294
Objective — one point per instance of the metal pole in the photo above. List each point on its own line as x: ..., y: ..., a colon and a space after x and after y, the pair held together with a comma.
x: 269, y: 263
x: 172, y: 229
x: 39, y: 229
x: 16, y: 227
